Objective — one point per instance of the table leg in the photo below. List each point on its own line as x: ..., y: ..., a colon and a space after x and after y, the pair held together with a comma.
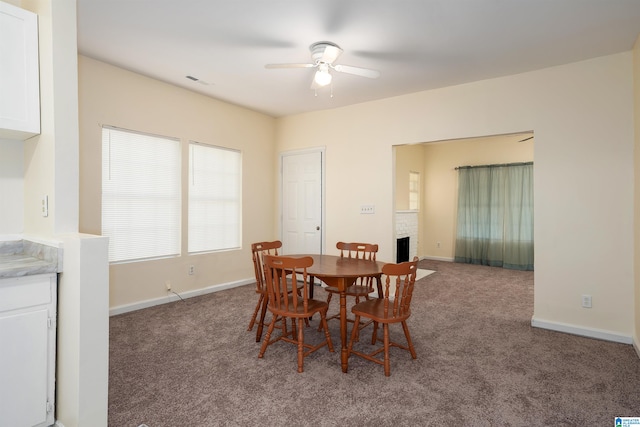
x: 342, y: 283
x: 311, y: 286
x: 343, y: 331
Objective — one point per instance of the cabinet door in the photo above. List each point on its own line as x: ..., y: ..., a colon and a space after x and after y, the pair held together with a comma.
x: 27, y: 350
x: 19, y: 74
x: 23, y: 368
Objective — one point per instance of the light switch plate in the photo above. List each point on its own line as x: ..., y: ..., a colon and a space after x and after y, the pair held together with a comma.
x: 367, y: 209
x: 45, y: 206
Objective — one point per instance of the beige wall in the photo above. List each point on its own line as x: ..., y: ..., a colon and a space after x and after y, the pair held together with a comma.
x: 46, y: 164
x: 51, y: 158
x: 441, y: 183
x: 116, y: 97
x: 582, y: 117
x: 409, y: 158
x: 11, y: 188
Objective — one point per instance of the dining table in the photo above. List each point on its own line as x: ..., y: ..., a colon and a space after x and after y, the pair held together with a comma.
x: 342, y: 272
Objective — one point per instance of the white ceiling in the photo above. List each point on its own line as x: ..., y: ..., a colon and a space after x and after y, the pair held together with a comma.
x: 415, y: 44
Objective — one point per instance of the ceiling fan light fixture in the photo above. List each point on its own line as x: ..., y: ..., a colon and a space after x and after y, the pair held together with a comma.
x: 323, y: 77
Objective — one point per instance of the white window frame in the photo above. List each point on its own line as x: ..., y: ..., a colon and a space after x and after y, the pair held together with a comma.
x: 414, y: 190
x: 141, y: 195
x: 215, y: 198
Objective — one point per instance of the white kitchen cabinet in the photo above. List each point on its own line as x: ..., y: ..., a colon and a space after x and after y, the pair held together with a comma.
x: 27, y: 350
x: 19, y: 74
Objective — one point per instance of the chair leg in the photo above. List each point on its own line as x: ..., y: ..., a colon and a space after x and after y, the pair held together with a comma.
x: 387, y: 364
x: 283, y: 321
x: 356, y: 327
x: 412, y: 350
x: 267, y: 338
x: 293, y: 328
x: 263, y: 313
x: 374, y: 336
x: 255, y: 313
x: 329, y: 295
x: 354, y: 334
x: 323, y: 322
x: 300, y: 346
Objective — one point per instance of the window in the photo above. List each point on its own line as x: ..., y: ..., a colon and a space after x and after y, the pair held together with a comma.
x: 414, y: 190
x: 140, y: 195
x: 215, y: 195
x: 495, y: 215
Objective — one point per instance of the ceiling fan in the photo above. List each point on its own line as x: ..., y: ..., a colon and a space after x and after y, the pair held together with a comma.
x: 324, y: 54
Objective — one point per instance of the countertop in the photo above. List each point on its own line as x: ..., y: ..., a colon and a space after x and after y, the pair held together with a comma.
x: 25, y: 258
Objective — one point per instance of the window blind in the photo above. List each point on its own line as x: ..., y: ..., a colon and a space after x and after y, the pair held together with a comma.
x: 215, y: 198
x: 140, y: 195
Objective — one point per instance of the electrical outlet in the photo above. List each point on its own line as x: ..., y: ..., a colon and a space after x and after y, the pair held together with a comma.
x: 168, y: 285
x: 367, y: 209
x: 437, y: 244
x: 586, y: 301
x: 192, y: 270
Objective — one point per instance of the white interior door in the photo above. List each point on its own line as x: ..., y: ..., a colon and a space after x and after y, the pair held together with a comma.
x: 302, y: 202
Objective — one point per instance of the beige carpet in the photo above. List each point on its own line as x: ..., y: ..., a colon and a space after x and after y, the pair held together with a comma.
x: 480, y: 363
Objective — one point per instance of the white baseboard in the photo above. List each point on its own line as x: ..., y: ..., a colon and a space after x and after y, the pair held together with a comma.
x: 437, y: 258
x: 173, y: 297
x: 582, y: 331
x: 635, y: 346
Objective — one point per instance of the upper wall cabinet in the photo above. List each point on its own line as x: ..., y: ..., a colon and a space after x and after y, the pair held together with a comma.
x: 19, y: 77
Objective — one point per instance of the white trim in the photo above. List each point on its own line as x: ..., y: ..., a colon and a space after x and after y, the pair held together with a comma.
x: 635, y: 346
x: 438, y: 258
x: 173, y: 297
x: 582, y: 331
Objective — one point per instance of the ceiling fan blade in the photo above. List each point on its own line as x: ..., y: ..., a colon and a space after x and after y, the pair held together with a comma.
x: 331, y: 53
x: 290, y: 65
x: 363, y: 72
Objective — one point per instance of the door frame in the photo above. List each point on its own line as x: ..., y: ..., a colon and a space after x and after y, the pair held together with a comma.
x: 282, y: 154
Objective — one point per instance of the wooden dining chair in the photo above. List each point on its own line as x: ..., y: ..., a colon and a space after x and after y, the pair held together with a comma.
x: 363, y: 286
x: 394, y: 307
x: 258, y: 250
x: 286, y: 303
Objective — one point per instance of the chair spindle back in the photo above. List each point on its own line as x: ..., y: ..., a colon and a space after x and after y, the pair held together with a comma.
x: 258, y: 250
x: 358, y: 250
x: 283, y: 275
x: 398, y: 287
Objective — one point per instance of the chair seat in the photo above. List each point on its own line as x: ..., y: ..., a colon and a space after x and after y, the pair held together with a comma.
x: 313, y: 306
x: 285, y: 302
x: 258, y: 250
x: 374, y: 310
x: 353, y: 290
x: 394, y: 307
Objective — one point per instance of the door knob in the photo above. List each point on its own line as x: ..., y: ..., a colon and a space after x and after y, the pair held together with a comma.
x: 317, y: 228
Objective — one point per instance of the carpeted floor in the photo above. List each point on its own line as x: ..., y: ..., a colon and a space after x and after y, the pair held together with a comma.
x: 480, y: 363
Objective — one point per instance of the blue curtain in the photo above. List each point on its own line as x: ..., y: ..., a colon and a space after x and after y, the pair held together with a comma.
x: 495, y: 216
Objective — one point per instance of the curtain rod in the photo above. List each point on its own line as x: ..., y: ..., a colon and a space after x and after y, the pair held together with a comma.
x: 498, y: 165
